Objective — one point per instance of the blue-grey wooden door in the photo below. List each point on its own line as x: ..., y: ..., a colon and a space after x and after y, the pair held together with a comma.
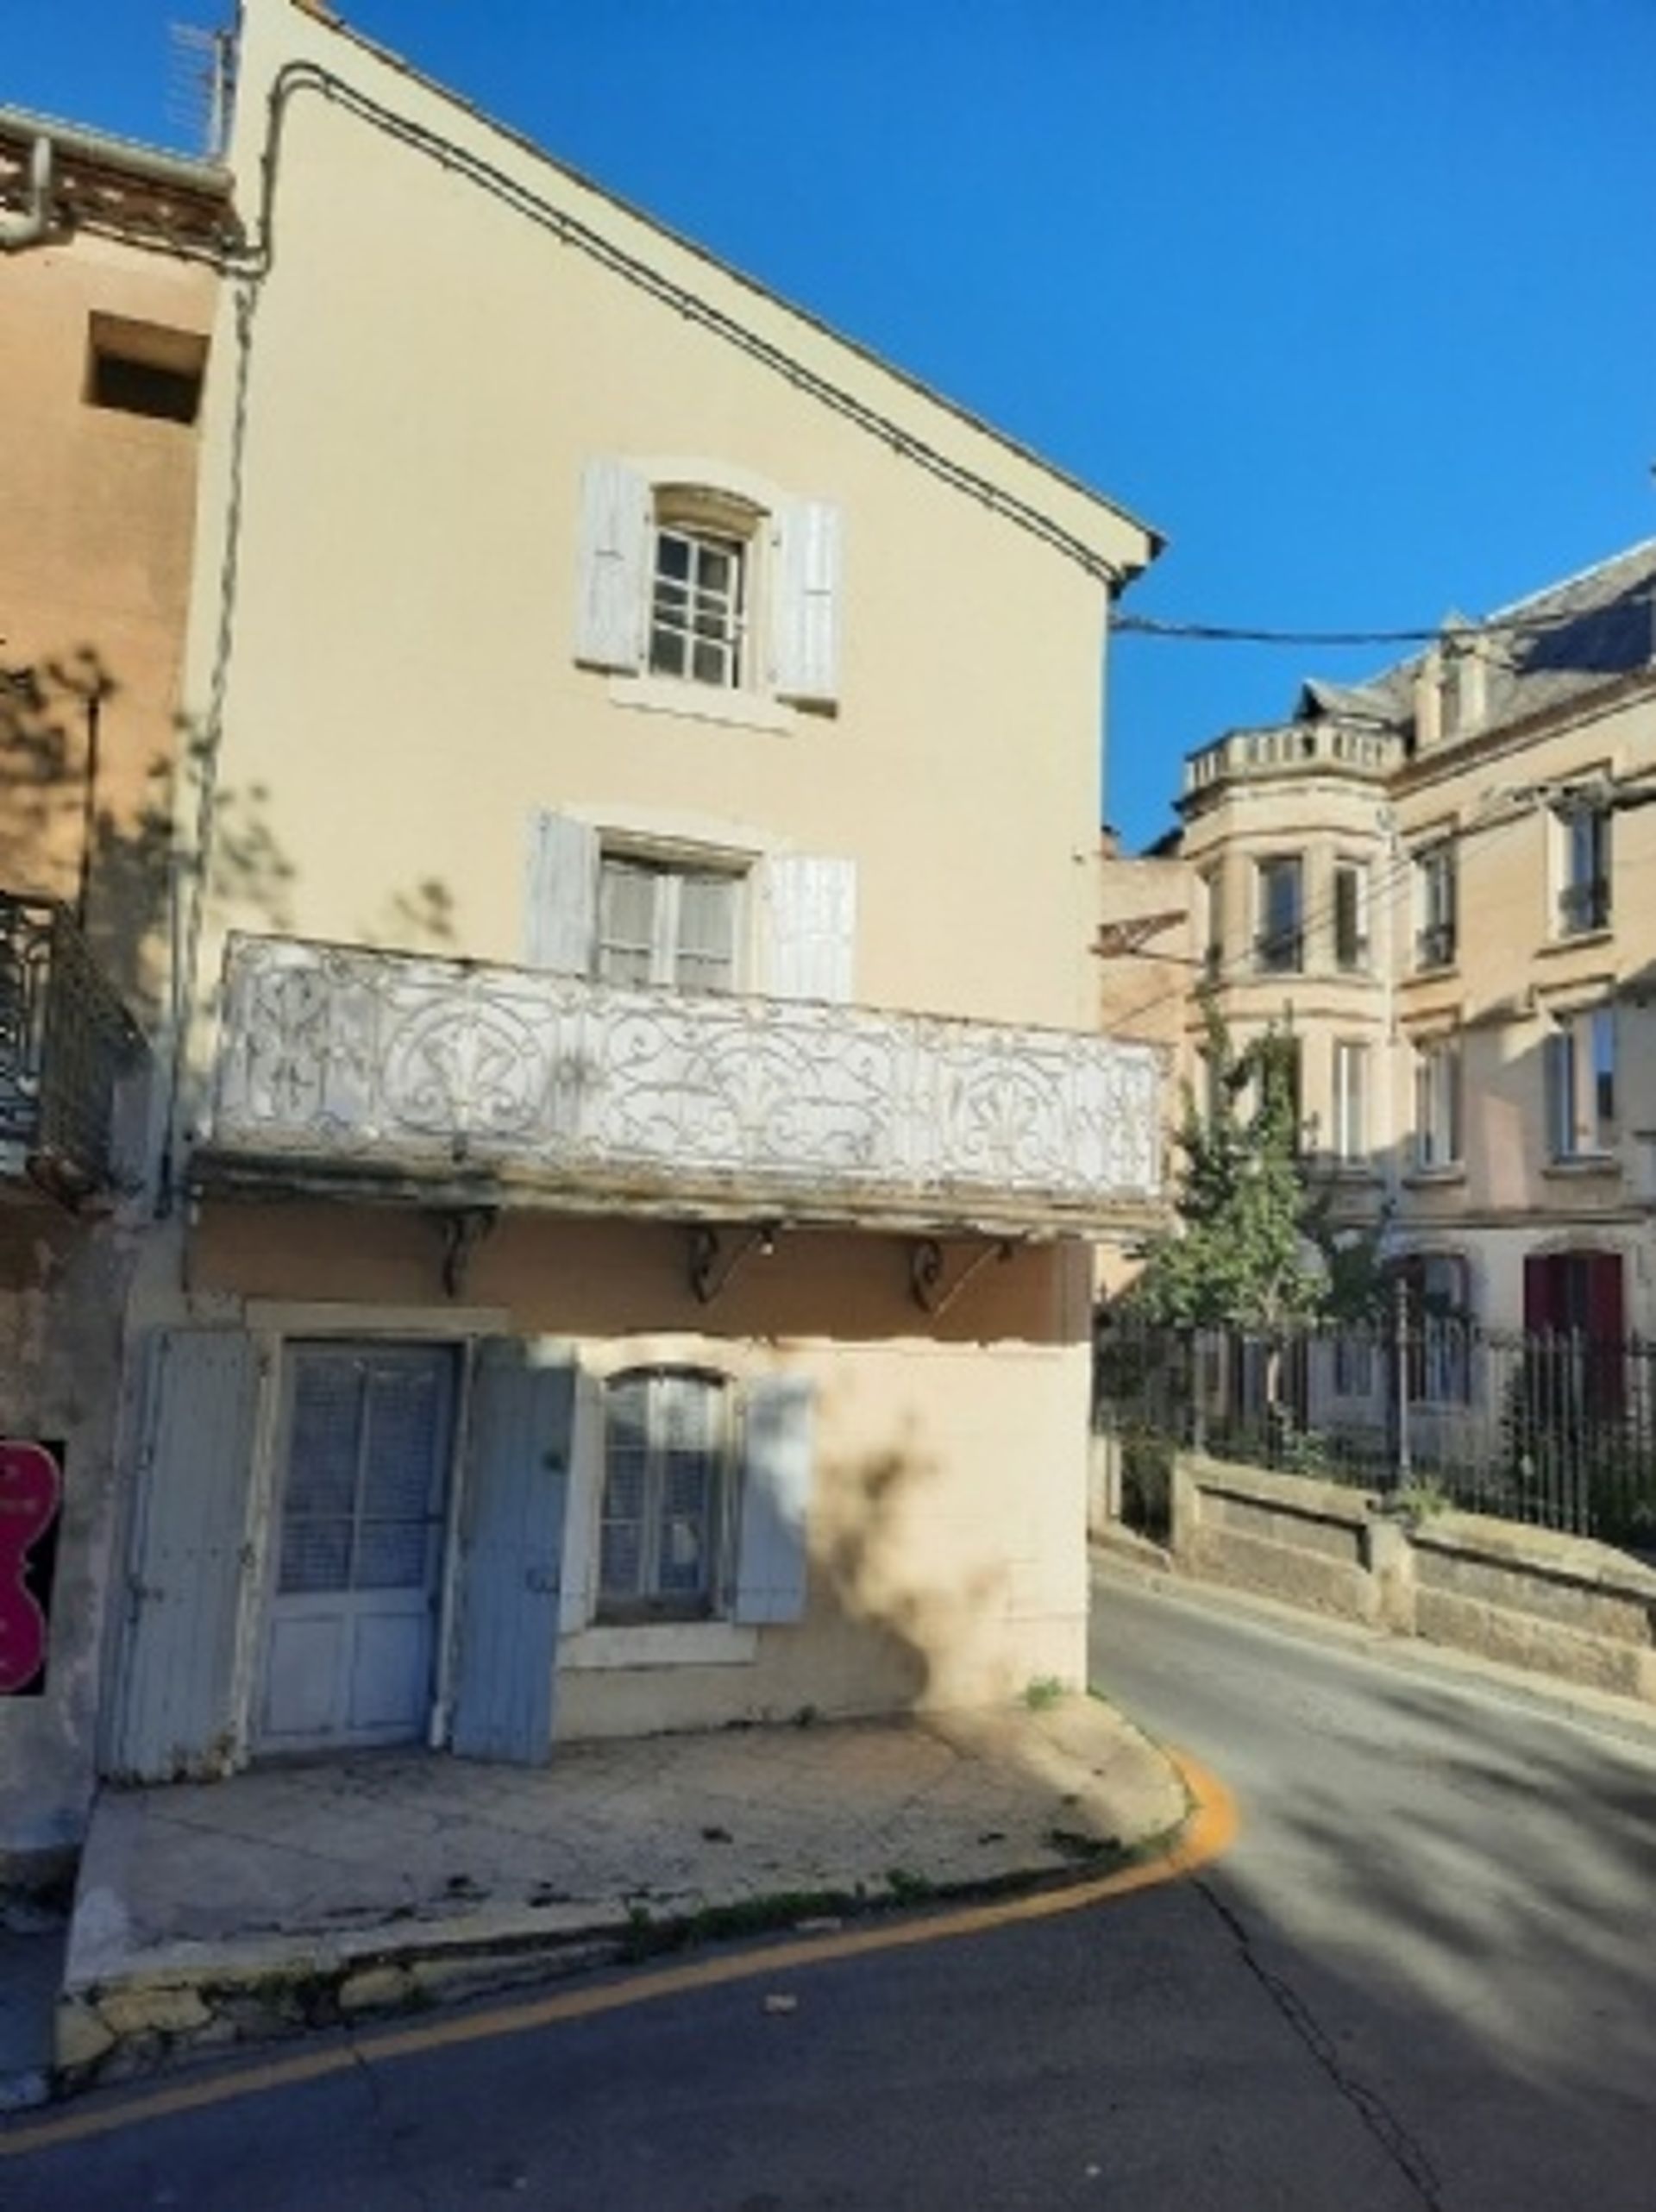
x: 365, y: 1441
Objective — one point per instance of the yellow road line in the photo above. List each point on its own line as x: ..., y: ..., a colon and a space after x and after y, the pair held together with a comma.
x: 1210, y: 1830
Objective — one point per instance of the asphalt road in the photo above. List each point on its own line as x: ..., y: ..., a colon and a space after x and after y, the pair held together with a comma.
x: 1424, y: 1976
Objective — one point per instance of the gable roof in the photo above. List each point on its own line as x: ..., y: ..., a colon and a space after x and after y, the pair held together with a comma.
x: 289, y: 46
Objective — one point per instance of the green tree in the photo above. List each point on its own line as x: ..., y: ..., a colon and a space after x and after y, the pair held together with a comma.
x: 1250, y: 1249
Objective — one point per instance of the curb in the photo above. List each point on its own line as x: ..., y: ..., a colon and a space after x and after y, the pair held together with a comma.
x: 123, y: 2031
x: 1207, y: 1829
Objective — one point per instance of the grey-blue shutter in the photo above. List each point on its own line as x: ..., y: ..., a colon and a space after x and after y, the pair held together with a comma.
x: 807, y: 595
x: 517, y: 1482
x: 561, y: 896
x: 613, y: 580
x: 811, y: 926
x: 191, y: 1557
x: 774, y: 1549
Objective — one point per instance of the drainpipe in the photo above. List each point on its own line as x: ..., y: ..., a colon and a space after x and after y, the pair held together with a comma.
x: 28, y: 228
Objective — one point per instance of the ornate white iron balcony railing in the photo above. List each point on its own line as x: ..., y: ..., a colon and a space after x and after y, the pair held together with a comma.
x: 341, y: 1061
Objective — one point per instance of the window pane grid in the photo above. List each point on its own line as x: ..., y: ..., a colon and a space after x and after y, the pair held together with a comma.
x: 662, y: 1521
x: 661, y: 925
x: 696, y: 610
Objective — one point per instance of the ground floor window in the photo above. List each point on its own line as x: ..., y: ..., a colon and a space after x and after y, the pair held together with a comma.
x: 664, y: 1527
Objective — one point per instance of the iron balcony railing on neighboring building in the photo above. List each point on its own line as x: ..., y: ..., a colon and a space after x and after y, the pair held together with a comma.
x: 66, y: 1042
x: 340, y: 1063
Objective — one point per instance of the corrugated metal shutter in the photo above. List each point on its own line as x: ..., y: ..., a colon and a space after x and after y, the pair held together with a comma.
x: 191, y: 1557
x: 520, y: 1444
x: 806, y: 542
x: 561, y: 897
x: 811, y: 915
x: 612, y: 584
x: 772, y: 1559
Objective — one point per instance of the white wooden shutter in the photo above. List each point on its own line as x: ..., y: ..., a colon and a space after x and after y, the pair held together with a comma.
x: 191, y: 1557
x: 613, y: 583
x: 562, y: 895
x: 518, y: 1479
x: 806, y: 600
x: 773, y: 1551
x: 811, y: 926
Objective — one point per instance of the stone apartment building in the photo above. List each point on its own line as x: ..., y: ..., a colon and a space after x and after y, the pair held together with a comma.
x: 1437, y: 880
x: 108, y: 275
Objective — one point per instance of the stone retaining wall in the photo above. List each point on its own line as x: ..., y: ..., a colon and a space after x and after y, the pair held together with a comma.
x: 1560, y: 1604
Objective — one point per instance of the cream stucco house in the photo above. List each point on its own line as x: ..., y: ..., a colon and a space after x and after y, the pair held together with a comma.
x: 1438, y: 878
x: 635, y: 1126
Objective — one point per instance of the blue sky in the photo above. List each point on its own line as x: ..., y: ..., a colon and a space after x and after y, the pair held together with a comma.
x: 1357, y: 302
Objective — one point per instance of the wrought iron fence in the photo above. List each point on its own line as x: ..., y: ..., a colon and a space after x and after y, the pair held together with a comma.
x: 1555, y: 1428
x: 66, y: 1040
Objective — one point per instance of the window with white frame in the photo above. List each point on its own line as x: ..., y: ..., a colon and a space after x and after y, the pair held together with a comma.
x: 1437, y: 1103
x: 698, y: 596
x: 1582, y: 847
x: 1435, y: 904
x: 668, y: 922
x: 1351, y: 916
x: 1351, y: 1101
x: 1580, y: 1081
x: 664, y: 1523
x: 726, y: 585
x: 1279, y: 908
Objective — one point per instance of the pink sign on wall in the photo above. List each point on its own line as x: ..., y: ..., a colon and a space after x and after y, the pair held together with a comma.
x: 31, y: 1499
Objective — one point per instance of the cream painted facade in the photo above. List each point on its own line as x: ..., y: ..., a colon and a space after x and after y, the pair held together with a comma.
x: 645, y: 1063
x: 1473, y: 1005
x: 107, y: 296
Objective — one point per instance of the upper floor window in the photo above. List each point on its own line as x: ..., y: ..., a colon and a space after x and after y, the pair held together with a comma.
x: 724, y: 583
x: 1279, y: 938
x: 697, y: 612
x: 1435, y: 903
x: 661, y: 921
x: 1581, y: 1107
x: 1351, y: 916
x: 1437, y: 1104
x: 1209, y: 927
x: 144, y: 369
x: 1351, y: 1101
x: 642, y: 910
x: 1582, y: 845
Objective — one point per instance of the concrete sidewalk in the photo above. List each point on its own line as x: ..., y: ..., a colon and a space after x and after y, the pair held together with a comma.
x: 295, y: 1896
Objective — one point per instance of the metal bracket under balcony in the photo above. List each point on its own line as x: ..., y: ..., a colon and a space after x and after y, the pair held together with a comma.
x: 349, y: 1071
x: 66, y: 1042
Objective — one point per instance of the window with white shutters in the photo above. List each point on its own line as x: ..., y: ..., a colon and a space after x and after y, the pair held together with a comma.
x: 663, y: 923
x: 699, y: 585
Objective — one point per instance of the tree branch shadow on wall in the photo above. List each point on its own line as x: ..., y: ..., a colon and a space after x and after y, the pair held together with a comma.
x: 895, y: 1628
x: 83, y: 821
